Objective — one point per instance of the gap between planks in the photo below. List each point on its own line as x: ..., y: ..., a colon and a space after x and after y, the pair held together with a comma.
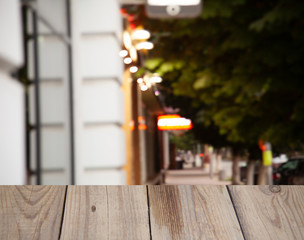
x: 236, y: 214
x: 149, y: 213
x: 63, y: 210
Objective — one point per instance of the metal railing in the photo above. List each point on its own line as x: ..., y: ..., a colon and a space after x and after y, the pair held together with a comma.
x: 29, y: 7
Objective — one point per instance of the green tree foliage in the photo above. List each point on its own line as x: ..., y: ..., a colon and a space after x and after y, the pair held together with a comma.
x: 184, y: 141
x: 241, y: 66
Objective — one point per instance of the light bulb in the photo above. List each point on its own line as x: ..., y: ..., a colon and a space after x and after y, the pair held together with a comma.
x: 141, y: 34
x: 156, y: 79
x: 127, y: 39
x: 123, y: 53
x: 133, y: 69
x: 144, y: 87
x: 133, y: 53
x: 127, y: 60
x: 144, y: 45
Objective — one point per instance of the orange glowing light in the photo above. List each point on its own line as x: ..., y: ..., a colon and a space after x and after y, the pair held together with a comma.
x: 142, y: 127
x: 173, y: 122
x: 262, y: 146
x: 142, y: 123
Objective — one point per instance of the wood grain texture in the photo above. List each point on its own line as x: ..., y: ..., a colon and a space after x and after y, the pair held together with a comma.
x: 106, y: 212
x: 192, y: 212
x: 270, y: 212
x: 31, y: 212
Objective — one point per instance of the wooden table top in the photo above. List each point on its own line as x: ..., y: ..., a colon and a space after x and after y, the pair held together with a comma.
x: 152, y: 212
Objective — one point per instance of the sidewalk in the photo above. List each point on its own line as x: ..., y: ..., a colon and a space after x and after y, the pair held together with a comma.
x: 195, y: 176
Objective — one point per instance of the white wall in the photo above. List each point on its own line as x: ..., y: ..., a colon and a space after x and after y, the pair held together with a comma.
x: 12, y: 139
x: 99, y: 110
x: 98, y: 99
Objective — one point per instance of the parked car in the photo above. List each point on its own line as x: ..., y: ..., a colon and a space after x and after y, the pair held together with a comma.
x: 276, y: 163
x: 290, y: 172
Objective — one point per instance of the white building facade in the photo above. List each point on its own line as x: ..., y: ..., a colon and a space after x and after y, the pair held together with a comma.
x: 64, y: 124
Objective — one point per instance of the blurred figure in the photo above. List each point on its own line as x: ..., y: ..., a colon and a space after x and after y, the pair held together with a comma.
x: 189, y: 158
x: 180, y: 159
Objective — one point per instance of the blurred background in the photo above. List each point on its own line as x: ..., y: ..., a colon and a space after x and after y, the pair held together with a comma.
x: 151, y: 92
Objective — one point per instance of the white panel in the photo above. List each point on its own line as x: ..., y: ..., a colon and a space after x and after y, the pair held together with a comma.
x: 97, y: 16
x: 30, y: 59
x: 54, y: 12
x: 32, y: 102
x: 54, y: 178
x: 52, y: 58
x: 102, y: 101
x: 104, y: 177
x: 54, y: 148
x: 103, y: 146
x: 11, y: 52
x: 33, y: 150
x: 53, y: 61
x: 12, y: 129
x: 53, y: 104
x: 100, y: 57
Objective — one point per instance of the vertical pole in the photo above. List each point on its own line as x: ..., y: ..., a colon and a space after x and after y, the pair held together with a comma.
x: 167, y: 149
x: 71, y: 95
x: 269, y: 175
x: 37, y: 98
x: 24, y: 79
x: 198, y: 160
x: 136, y: 139
x: 267, y: 161
x: 211, y: 161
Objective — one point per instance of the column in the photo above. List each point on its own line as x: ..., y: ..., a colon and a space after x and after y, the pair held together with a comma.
x: 98, y: 98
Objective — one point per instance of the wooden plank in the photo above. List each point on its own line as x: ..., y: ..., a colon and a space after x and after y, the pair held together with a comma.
x: 270, y: 212
x: 192, y: 212
x: 128, y: 213
x: 31, y: 212
x: 106, y: 212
